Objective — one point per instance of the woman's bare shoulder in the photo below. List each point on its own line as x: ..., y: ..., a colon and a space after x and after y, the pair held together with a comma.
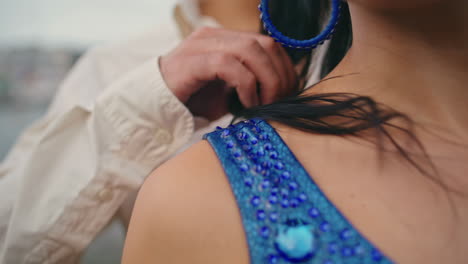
x: 186, y: 213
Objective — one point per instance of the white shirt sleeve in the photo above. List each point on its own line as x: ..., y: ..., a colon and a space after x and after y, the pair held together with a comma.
x: 71, y: 171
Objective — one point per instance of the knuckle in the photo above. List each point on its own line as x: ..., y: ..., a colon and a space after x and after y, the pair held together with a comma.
x: 251, y: 44
x: 269, y: 44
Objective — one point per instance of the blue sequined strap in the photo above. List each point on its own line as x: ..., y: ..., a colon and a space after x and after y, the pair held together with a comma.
x: 286, y: 217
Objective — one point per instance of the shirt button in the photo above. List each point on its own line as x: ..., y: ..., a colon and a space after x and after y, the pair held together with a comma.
x: 163, y: 136
x: 105, y: 195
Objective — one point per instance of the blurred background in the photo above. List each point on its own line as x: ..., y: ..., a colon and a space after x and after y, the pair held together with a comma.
x: 40, y: 40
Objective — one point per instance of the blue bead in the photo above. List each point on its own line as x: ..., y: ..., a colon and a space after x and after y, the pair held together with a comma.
x: 255, y: 201
x: 274, y: 216
x: 333, y: 248
x: 237, y: 154
x: 359, y: 250
x: 274, y: 191
x: 248, y: 182
x: 260, y: 152
x: 273, y: 199
x: 302, y: 197
x: 279, y: 165
x: 264, y: 136
x: 266, y: 184
x: 266, y: 164
x: 284, y: 192
x: 325, y: 226
x: 244, y: 167
x: 241, y: 136
x: 313, y: 212
x: 230, y: 144
x: 254, y: 141
x: 345, y: 234
x: 265, y: 232
x: 268, y: 146
x: 266, y: 173
x: 294, y: 203
x: 258, y: 168
x: 285, y: 203
x: 347, y: 252
x: 293, y: 186
x: 376, y: 255
x: 261, y: 215
x: 272, y: 259
x: 286, y: 175
x: 274, y: 155
x: 247, y: 148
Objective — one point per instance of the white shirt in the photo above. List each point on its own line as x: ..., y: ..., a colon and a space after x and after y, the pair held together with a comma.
x: 111, y: 123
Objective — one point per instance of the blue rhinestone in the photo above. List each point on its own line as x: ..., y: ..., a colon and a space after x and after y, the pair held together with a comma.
x: 255, y: 201
x: 272, y: 259
x: 286, y: 175
x: 274, y: 216
x: 266, y: 184
x: 347, y: 252
x: 273, y: 199
x: 266, y: 164
x: 265, y: 232
x: 279, y: 165
x: 274, y: 155
x: 376, y: 255
x: 258, y: 168
x: 313, y: 212
x: 230, y: 144
x: 274, y: 191
x: 266, y: 173
x: 302, y: 197
x: 284, y: 192
x: 248, y: 182
x: 268, y: 146
x: 261, y: 215
x: 254, y: 141
x: 260, y: 152
x: 294, y: 203
x: 241, y: 136
x: 237, y: 154
x: 325, y: 226
x: 293, y: 186
x: 359, y: 250
x: 226, y: 133
x: 332, y: 248
x: 285, y: 203
x: 247, y: 148
x: 345, y: 234
x: 264, y: 136
x: 243, y: 167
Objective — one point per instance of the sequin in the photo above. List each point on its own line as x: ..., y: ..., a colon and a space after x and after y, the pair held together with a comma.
x: 248, y: 181
x: 313, y: 212
x: 274, y: 155
x: 345, y: 234
x: 347, y: 252
x: 261, y: 215
x: 279, y: 165
x: 226, y: 133
x: 274, y: 217
x: 286, y: 175
x: 325, y: 226
x: 294, y: 203
x: 266, y: 184
x: 333, y: 248
x: 244, y: 167
x: 273, y: 199
x: 268, y: 147
x: 302, y: 197
x: 285, y: 203
x: 293, y: 186
x: 265, y: 232
x: 230, y: 144
x: 255, y: 201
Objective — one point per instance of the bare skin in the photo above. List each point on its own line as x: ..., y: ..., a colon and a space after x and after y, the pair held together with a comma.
x: 405, y: 58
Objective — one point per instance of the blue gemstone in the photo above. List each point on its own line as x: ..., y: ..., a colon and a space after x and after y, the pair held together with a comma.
x: 265, y: 232
x: 258, y: 168
x: 279, y: 165
x: 266, y: 173
x: 285, y: 203
x: 274, y: 191
x: 264, y: 136
x: 313, y: 212
x: 226, y: 133
x: 260, y: 152
x: 266, y: 164
x: 294, y: 203
x: 237, y: 154
x: 345, y: 234
x: 266, y: 184
x: 268, y: 146
x: 241, y: 136
x: 296, y: 244
x: 333, y: 248
x: 248, y: 182
x: 244, y: 167
x: 325, y: 226
x: 376, y: 255
x: 274, y: 155
x: 302, y: 197
x: 255, y: 201
x: 261, y: 215
x: 286, y: 175
x: 284, y: 192
x: 272, y: 259
x: 274, y: 216
x: 347, y: 252
x: 359, y: 250
x: 247, y: 148
x: 254, y: 141
x: 230, y: 144
x: 273, y: 199
x: 293, y: 186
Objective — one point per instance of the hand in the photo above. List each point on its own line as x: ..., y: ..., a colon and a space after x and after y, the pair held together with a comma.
x: 207, y: 67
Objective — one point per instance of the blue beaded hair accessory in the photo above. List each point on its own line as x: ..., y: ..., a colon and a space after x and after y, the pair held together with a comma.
x: 300, y: 44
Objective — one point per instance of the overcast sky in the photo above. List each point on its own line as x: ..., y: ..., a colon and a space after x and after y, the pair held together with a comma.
x: 77, y: 22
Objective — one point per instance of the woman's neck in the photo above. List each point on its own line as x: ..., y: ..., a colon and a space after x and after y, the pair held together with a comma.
x: 241, y: 15
x: 415, y: 62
